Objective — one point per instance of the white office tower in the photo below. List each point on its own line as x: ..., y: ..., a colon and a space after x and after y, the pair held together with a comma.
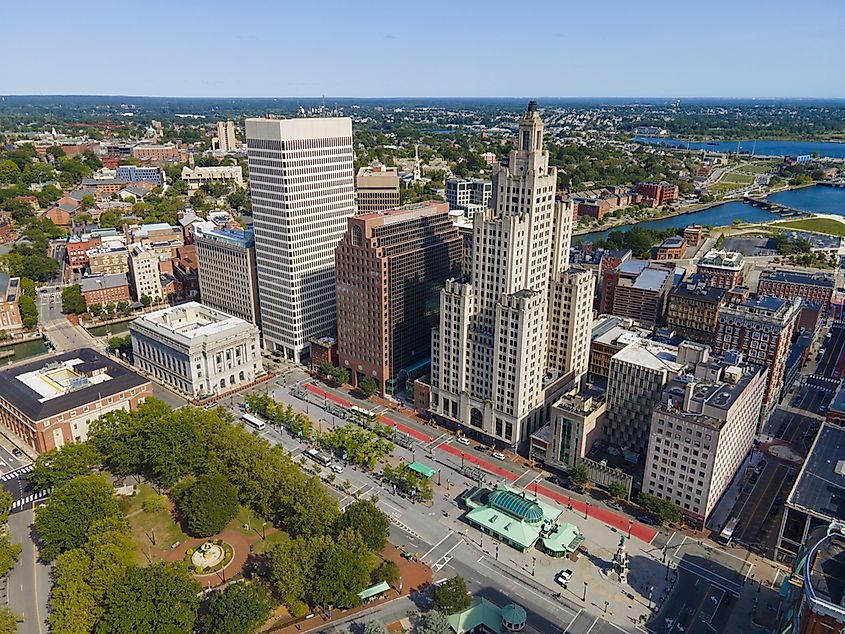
x: 491, y: 368
x: 302, y: 191
x: 226, y: 140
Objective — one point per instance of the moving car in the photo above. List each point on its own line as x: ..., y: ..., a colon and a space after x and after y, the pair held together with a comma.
x: 646, y: 519
x: 337, y: 468
x: 562, y: 578
x: 498, y: 455
x: 464, y: 441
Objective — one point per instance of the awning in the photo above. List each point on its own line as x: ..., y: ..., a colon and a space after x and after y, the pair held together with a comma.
x: 374, y: 591
x: 422, y: 469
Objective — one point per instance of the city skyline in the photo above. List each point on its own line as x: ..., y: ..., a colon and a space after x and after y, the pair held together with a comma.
x: 574, y: 50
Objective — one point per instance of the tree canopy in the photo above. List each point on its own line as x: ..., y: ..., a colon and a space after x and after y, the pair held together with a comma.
x: 240, y: 609
x: 451, y: 596
x: 370, y: 522
x: 58, y: 466
x: 207, y: 504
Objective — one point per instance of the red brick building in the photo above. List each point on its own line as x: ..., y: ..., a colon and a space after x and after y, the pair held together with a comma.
x: 672, y: 248
x: 76, y: 250
x: 658, y: 193
x: 693, y: 234
x: 814, y: 287
x: 723, y: 269
x: 105, y: 289
x: 323, y: 350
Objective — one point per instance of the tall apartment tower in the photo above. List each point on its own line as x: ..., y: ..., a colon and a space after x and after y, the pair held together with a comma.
x: 390, y: 269
x: 226, y: 267
x: 226, y: 140
x: 302, y: 191
x: 491, y: 367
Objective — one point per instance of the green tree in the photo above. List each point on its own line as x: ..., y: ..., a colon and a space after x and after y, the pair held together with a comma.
x: 663, y: 510
x: 387, y: 571
x: 6, y: 500
x: 580, y: 477
x: 292, y: 569
x: 367, y: 387
x: 617, y: 490
x: 64, y: 522
x: 370, y: 522
x: 239, y: 201
x: 240, y: 609
x: 343, y: 570
x: 60, y: 465
x: 146, y: 300
x: 9, y: 172
x: 8, y: 621
x: 121, y: 344
x: 158, y: 599
x: 207, y: 505
x: 309, y: 510
x: 73, y: 301
x: 9, y: 553
x: 375, y: 627
x: 433, y: 622
x: 451, y: 596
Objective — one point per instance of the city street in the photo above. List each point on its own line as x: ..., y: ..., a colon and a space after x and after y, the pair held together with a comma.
x: 28, y: 584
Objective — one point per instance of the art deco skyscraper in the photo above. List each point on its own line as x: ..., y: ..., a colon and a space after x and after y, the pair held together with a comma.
x: 502, y: 350
x: 302, y: 192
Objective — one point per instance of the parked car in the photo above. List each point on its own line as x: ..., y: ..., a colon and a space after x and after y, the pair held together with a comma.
x: 464, y: 441
x: 498, y: 455
x: 337, y: 468
x: 562, y: 578
x: 760, y: 466
x: 17, y: 453
x: 646, y: 519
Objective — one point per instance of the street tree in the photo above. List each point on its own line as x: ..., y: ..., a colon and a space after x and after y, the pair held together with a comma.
x: 240, y: 609
x: 369, y: 520
x: 617, y: 490
x: 60, y: 465
x: 6, y: 500
x: 580, y: 477
x: 8, y: 621
x: 452, y: 596
x: 388, y: 572
x: 73, y: 301
x: 375, y: 627
x: 65, y: 520
x: 367, y: 387
x: 9, y: 553
x: 433, y: 622
x: 663, y: 510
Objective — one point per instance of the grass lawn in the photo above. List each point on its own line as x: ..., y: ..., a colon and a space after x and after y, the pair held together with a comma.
x: 263, y: 545
x: 157, y: 525
x: 245, y: 516
x: 819, y: 225
x: 758, y: 168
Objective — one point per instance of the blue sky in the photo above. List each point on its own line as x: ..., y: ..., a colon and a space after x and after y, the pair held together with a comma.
x: 741, y: 48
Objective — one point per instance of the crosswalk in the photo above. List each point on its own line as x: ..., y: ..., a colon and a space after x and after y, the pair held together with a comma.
x: 30, y: 499
x: 15, y: 473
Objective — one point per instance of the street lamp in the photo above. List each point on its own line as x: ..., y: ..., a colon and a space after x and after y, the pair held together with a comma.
x: 585, y: 591
x: 586, y: 510
x: 533, y: 565
x: 462, y: 461
x: 630, y: 526
x: 606, y: 603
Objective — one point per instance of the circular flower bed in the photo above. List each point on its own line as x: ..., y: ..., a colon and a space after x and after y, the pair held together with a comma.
x: 209, y: 557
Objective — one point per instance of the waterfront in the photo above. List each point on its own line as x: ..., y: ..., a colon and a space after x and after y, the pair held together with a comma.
x: 827, y: 149
x: 111, y: 330
x: 23, y: 350
x: 817, y: 199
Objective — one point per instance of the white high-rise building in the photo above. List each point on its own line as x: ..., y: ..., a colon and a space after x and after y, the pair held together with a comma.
x: 516, y: 333
x: 302, y: 190
x: 226, y: 141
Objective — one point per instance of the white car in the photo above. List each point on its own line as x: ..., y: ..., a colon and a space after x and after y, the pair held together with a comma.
x: 562, y: 578
x: 464, y: 441
x: 337, y: 468
x: 498, y: 455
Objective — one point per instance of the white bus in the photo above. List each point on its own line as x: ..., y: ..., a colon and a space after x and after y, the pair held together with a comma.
x: 254, y: 421
x: 727, y: 534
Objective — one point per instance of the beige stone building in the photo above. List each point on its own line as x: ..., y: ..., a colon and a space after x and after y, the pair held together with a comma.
x: 196, y: 177
x: 377, y: 189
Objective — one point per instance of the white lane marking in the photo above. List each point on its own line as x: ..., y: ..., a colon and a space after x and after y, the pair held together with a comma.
x: 437, y: 544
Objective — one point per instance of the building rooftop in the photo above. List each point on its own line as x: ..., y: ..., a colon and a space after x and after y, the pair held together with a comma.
x: 696, y: 287
x: 820, y: 487
x: 405, y: 213
x: 66, y: 381
x: 615, y: 330
x: 101, y: 282
x: 632, y: 267
x: 809, y: 278
x: 206, y: 230
x: 824, y: 573
x: 722, y: 259
x: 190, y: 322
x: 650, y: 354
x: 673, y: 242
x: 652, y: 278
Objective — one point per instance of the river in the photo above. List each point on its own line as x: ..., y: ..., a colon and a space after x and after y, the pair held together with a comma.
x: 112, y: 330
x: 23, y: 350
x: 816, y: 199
x: 828, y: 149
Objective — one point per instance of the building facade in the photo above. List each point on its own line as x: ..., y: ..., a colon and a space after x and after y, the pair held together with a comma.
x: 814, y: 287
x: 196, y: 177
x: 638, y: 290
x: 302, y: 191
x: 723, y: 269
x: 638, y: 374
x: 391, y: 267
x: 10, y: 295
x: 693, y: 311
x: 167, y: 152
x: 226, y: 140
x: 226, y: 266
x: 51, y: 402
x: 108, y: 258
x: 490, y: 369
x: 701, y: 432
x: 672, y: 248
x: 761, y: 329
x: 105, y: 289
x: 576, y: 422
x: 137, y: 174
x: 658, y: 193
x: 468, y: 195
x: 199, y: 351
x: 377, y: 189
x: 144, y: 273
